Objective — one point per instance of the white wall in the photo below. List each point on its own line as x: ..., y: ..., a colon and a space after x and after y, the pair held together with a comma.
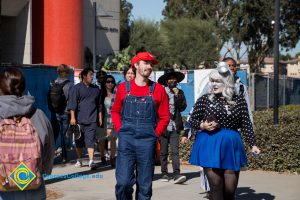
x: 108, y: 40
x: 16, y: 41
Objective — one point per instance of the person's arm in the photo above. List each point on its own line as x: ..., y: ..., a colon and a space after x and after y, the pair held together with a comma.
x: 246, y: 124
x: 73, y: 119
x: 180, y: 101
x: 198, y: 113
x: 67, y: 89
x: 162, y: 112
x: 188, y: 130
x: 48, y: 148
x: 117, y: 108
x: 247, y: 127
x: 100, y: 118
x: 72, y: 104
x: 109, y: 120
x: 100, y: 107
x: 246, y: 96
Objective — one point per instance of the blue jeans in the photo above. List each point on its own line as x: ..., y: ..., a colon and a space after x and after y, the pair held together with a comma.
x: 63, y: 141
x: 136, y: 148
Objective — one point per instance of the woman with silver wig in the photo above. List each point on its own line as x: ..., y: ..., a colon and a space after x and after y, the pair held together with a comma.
x: 221, y: 116
x: 221, y: 76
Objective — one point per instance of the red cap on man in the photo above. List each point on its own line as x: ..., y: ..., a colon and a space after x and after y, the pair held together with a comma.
x: 145, y: 56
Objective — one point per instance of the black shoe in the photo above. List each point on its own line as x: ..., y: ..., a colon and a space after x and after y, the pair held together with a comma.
x: 64, y: 160
x: 103, y: 161
x: 179, y: 179
x: 113, y: 162
x: 165, y: 178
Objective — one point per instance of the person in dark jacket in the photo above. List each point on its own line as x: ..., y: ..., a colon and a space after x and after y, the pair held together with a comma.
x: 177, y: 104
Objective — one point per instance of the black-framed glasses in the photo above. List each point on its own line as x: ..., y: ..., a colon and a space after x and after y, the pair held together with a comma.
x: 231, y: 65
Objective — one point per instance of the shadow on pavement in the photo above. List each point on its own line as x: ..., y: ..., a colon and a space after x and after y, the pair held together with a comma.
x: 246, y: 193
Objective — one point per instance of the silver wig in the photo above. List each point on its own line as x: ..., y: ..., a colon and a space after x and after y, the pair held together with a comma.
x: 223, y: 73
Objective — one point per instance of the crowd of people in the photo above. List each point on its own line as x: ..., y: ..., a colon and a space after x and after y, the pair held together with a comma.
x: 124, y: 122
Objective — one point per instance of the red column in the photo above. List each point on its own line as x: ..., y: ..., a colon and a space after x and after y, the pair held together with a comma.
x: 63, y: 32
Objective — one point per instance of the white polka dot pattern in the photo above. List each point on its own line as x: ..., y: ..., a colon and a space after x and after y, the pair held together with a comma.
x: 230, y: 116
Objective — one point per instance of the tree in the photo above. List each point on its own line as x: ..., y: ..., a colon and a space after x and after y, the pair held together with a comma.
x: 121, y: 59
x: 125, y: 12
x: 259, y: 32
x: 285, y: 57
x: 259, y: 36
x: 215, y: 11
x: 290, y: 23
x: 145, y: 36
x: 190, y: 42
x: 202, y: 9
x: 244, y: 21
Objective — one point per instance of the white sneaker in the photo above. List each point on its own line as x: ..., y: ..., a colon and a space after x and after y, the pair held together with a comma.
x: 58, y: 151
x: 179, y: 179
x: 92, y: 165
x: 78, y: 164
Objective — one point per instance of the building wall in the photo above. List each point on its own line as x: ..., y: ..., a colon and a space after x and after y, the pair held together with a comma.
x: 108, y: 27
x: 268, y: 68
x: 16, y: 29
x: 16, y: 40
x: 293, y: 69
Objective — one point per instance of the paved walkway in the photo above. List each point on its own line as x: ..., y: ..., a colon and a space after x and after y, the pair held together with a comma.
x: 99, y: 184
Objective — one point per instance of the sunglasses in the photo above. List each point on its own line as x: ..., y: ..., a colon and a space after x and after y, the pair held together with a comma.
x: 231, y: 65
x: 110, y: 82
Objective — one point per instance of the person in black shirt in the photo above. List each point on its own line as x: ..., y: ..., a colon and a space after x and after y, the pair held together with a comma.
x: 221, y: 115
x: 85, y: 108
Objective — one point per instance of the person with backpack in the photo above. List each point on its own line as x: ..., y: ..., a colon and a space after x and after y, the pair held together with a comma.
x: 25, y: 136
x: 58, y: 97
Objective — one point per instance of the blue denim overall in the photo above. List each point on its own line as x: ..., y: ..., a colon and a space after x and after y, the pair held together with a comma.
x: 136, y: 147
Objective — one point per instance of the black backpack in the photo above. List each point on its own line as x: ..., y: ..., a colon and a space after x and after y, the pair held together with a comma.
x: 57, y: 99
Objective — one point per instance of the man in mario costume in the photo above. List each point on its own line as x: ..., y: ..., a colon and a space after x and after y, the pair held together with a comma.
x: 140, y: 114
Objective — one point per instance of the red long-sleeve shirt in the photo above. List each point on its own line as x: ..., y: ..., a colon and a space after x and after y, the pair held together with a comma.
x: 161, y: 103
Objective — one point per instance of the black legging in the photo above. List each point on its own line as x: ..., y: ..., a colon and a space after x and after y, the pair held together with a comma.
x: 222, y: 183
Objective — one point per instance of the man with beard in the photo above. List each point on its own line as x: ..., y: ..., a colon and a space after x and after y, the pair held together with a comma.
x: 140, y: 114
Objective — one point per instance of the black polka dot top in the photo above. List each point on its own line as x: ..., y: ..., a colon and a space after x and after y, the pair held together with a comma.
x: 232, y: 116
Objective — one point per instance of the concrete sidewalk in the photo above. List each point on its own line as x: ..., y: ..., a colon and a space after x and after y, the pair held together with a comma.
x: 100, y: 184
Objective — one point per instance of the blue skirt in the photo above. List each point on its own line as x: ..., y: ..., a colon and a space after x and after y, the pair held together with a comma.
x: 223, y: 149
